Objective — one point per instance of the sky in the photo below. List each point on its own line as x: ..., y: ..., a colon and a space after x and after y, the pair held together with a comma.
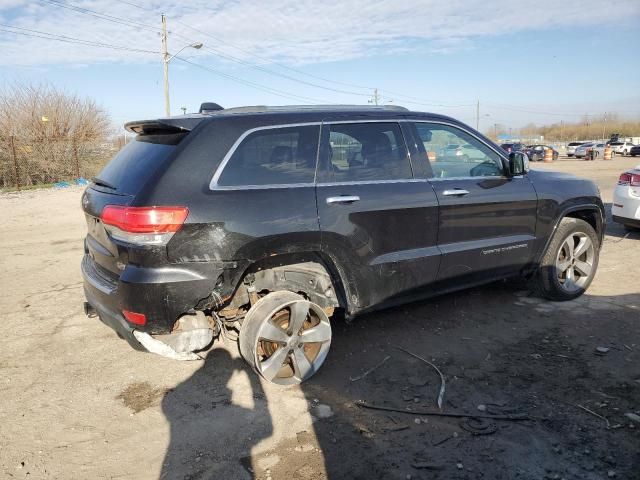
x: 524, y: 62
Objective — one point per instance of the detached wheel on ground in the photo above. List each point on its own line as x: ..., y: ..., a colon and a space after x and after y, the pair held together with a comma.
x: 570, y: 262
x: 285, y: 338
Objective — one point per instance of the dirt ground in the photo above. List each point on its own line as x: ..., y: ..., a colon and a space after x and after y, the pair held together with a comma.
x: 76, y: 402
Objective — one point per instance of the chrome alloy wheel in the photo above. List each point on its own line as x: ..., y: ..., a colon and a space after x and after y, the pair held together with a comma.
x: 285, y: 338
x: 574, y: 262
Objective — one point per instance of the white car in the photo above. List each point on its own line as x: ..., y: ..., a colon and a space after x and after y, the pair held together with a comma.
x: 621, y: 148
x: 626, y: 200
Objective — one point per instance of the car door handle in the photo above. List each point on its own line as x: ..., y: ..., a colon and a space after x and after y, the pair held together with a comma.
x: 455, y: 191
x: 342, y: 199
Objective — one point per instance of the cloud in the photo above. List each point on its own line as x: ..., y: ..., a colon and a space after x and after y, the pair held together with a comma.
x: 290, y: 31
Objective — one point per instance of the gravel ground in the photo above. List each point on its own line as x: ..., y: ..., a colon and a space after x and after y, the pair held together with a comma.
x: 77, y: 402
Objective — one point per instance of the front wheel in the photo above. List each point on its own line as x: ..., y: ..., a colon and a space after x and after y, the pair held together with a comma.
x: 285, y: 338
x: 570, y: 261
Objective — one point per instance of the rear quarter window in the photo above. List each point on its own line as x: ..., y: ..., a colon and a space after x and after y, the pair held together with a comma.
x: 272, y: 156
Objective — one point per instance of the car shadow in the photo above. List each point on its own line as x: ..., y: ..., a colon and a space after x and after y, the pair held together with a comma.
x: 618, y: 230
x: 502, y: 351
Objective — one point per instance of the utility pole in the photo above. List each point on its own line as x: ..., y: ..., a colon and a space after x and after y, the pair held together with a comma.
x: 165, y: 65
x: 376, y: 98
x: 604, y: 126
x: 561, y: 131
x: 478, y: 115
x: 495, y: 130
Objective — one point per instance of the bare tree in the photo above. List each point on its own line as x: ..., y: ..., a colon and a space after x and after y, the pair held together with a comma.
x: 47, y: 135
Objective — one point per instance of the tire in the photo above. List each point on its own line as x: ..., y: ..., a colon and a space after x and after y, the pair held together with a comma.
x: 285, y: 338
x: 554, y: 283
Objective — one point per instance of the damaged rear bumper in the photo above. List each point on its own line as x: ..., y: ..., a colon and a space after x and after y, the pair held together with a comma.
x: 171, y: 332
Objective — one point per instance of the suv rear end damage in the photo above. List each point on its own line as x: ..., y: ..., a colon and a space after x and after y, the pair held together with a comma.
x: 128, y: 281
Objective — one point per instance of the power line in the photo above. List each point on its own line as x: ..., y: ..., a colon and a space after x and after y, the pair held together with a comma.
x: 270, y: 90
x: 67, y: 39
x: 409, y: 99
x: 103, y: 16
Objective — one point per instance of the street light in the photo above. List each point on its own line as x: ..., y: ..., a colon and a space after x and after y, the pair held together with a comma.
x: 166, y: 58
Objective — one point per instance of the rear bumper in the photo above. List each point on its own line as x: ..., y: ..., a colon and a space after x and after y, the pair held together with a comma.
x: 626, y: 205
x: 163, y: 294
x: 111, y: 319
x: 632, y: 222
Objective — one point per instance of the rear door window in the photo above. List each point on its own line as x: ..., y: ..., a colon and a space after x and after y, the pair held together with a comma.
x: 364, y: 152
x: 273, y: 156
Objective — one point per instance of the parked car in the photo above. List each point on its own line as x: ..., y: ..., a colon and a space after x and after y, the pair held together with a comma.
x: 621, y: 148
x: 513, y: 147
x: 257, y: 223
x: 598, y: 150
x: 571, y: 148
x: 581, y: 150
x: 626, y: 200
x: 536, y: 152
x: 635, y: 150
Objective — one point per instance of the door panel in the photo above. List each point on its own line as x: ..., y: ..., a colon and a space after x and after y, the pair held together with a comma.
x: 380, y: 225
x: 486, y: 220
x: 489, y: 230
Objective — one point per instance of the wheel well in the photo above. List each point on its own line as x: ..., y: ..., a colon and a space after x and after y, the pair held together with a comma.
x: 308, y: 274
x: 592, y: 217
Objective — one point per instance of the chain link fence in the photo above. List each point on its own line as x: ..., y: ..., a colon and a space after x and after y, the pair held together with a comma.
x: 26, y: 162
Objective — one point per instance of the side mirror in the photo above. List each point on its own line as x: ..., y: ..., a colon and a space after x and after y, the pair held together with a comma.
x: 518, y: 163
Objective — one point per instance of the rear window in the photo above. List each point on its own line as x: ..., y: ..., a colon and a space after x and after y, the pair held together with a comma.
x: 137, y: 161
x: 616, y: 143
x: 575, y: 144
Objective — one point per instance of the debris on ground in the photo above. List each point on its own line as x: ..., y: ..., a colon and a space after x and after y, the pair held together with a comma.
x: 372, y: 369
x: 512, y: 417
x: 633, y: 417
x: 478, y: 426
x: 426, y: 466
x: 594, y: 414
x: 442, y: 381
x: 602, y: 350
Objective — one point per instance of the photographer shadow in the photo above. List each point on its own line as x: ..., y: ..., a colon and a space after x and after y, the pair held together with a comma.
x: 216, y: 417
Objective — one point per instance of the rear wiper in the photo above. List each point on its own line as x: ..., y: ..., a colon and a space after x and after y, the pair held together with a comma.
x: 103, y: 183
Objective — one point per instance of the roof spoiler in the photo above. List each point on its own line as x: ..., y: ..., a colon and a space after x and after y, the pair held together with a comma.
x: 164, y: 126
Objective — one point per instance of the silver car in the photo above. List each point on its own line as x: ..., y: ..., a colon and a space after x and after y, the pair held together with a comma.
x: 581, y: 151
x: 598, y: 148
x: 571, y: 148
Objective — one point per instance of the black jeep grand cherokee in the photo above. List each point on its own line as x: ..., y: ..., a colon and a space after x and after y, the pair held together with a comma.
x: 256, y: 223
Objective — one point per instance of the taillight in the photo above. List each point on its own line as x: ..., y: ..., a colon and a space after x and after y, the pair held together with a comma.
x: 143, y: 225
x: 632, y: 179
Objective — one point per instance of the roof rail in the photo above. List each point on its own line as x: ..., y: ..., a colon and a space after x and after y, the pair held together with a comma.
x: 307, y: 108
